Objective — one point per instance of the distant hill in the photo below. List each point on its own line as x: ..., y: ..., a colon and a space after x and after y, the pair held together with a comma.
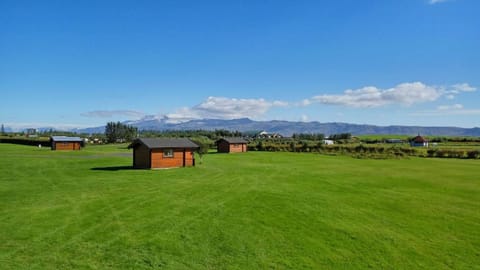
x: 287, y: 128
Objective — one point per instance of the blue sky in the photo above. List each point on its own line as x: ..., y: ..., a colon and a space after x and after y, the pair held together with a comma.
x: 385, y: 62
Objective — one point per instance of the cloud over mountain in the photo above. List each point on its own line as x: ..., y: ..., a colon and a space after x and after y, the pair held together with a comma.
x: 225, y: 108
x: 404, y: 94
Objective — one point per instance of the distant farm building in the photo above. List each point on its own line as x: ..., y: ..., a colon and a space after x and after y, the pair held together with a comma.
x: 155, y: 153
x: 66, y: 143
x: 419, y: 141
x: 328, y: 142
x: 231, y: 145
x: 267, y: 135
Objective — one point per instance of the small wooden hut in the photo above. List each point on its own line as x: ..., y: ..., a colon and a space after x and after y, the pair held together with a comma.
x: 152, y: 153
x: 66, y: 143
x: 231, y: 145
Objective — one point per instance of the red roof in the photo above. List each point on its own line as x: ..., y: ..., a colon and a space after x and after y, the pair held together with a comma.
x: 419, y: 139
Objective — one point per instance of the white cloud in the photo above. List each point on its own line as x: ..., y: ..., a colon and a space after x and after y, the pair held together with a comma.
x: 405, y: 94
x: 304, y: 118
x: 433, y: 2
x: 371, y: 96
x: 305, y: 102
x: 410, y: 93
x: 463, y: 87
x: 366, y: 97
x: 181, y: 115
x: 456, y: 89
x: 111, y: 113
x: 224, y: 108
x: 278, y: 103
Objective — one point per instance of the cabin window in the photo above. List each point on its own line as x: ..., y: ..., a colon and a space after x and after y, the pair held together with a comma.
x: 168, y: 153
x: 236, y: 145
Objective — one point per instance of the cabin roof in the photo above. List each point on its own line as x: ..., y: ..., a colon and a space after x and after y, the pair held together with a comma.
x: 66, y: 139
x: 164, y: 143
x: 233, y: 140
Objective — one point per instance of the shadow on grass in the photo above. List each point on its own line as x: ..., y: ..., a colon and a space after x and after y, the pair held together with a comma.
x: 113, y: 168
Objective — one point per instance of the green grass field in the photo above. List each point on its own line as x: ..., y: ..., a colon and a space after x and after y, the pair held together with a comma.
x: 259, y: 210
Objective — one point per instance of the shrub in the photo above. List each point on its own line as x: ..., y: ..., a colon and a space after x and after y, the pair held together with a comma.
x: 473, y: 154
x: 441, y: 153
x: 456, y: 154
x: 32, y: 142
x: 431, y: 152
x: 260, y: 146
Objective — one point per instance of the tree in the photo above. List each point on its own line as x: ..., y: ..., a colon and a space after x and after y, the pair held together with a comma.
x: 341, y: 136
x: 260, y: 146
x: 308, y: 136
x: 293, y: 147
x: 305, y: 147
x: 118, y: 132
x: 3, y: 130
x: 204, y: 146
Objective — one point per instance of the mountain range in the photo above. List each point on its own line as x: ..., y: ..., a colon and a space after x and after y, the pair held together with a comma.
x: 287, y: 128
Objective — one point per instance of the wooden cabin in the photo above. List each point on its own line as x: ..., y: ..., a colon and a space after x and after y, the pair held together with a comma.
x: 156, y: 153
x: 66, y: 143
x: 232, y: 145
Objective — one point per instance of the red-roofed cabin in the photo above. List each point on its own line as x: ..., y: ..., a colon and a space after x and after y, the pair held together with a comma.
x: 419, y: 141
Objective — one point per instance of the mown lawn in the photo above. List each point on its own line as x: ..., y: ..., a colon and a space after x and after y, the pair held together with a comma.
x: 259, y: 210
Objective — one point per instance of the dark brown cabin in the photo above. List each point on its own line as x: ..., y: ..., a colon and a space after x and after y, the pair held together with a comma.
x: 66, y: 143
x: 231, y: 145
x: 155, y: 153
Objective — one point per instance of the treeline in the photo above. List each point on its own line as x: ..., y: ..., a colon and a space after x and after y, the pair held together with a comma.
x: 453, y: 153
x: 308, y: 136
x: 52, y: 132
x: 430, y: 139
x: 26, y: 141
x: 361, y: 150
x: 321, y: 136
x: 210, y: 134
x: 118, y: 132
x: 455, y: 139
x: 340, y: 136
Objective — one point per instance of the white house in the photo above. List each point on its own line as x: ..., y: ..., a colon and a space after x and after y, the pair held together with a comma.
x: 328, y: 142
x: 419, y: 141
